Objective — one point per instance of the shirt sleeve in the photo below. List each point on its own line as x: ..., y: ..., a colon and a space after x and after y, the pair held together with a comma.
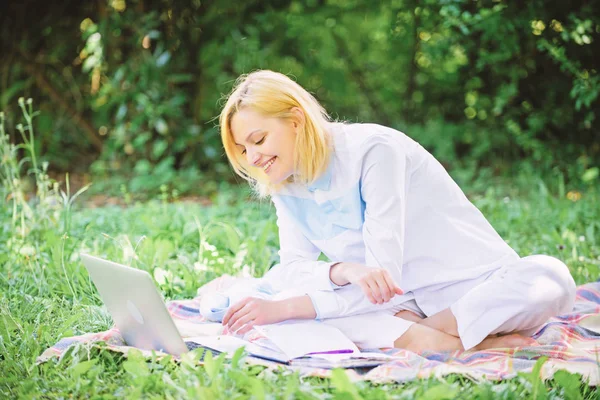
x: 298, y: 267
x: 383, y: 189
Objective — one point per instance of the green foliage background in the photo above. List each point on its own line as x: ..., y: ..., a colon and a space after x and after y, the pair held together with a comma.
x: 129, y: 91
x: 134, y: 86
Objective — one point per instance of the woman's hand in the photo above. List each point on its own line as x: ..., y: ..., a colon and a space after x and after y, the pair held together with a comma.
x: 253, y: 311
x: 376, y: 283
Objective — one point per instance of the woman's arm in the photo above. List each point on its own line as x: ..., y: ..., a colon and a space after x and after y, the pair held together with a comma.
x: 384, y: 181
x: 253, y: 311
x: 376, y: 283
x: 350, y: 300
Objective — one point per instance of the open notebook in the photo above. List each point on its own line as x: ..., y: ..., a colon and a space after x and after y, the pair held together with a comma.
x: 302, y: 343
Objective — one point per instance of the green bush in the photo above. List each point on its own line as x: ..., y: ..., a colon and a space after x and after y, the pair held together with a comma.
x: 483, y: 83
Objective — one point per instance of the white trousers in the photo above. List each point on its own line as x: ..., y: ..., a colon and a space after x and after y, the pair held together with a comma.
x: 516, y: 298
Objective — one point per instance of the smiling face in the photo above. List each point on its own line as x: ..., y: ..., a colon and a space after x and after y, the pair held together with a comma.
x: 267, y: 143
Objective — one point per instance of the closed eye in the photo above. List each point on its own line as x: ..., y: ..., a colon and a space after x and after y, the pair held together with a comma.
x: 259, y: 142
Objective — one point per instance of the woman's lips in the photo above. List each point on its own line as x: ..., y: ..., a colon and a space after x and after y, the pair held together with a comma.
x: 271, y: 161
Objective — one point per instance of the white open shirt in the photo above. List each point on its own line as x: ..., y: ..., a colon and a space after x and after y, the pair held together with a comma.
x: 384, y: 202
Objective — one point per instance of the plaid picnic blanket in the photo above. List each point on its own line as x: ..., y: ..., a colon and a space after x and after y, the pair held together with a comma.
x: 571, y: 342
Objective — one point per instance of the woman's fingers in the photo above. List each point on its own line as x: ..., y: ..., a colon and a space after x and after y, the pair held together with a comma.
x: 392, y: 285
x: 378, y: 285
x: 367, y: 291
x: 371, y: 289
x: 234, y: 309
x: 383, y: 287
x: 245, y: 329
x: 375, y: 290
x: 242, y: 319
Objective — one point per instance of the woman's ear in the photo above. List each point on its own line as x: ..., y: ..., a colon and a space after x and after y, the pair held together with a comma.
x: 299, y: 118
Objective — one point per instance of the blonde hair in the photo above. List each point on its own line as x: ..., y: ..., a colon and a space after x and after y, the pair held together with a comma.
x: 275, y: 95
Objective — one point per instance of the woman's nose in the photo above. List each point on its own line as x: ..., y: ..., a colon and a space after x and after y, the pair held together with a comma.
x: 253, y: 158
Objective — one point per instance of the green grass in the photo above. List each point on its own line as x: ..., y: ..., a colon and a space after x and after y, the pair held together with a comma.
x: 46, y: 294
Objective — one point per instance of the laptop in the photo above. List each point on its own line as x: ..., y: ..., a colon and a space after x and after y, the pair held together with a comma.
x: 137, y: 307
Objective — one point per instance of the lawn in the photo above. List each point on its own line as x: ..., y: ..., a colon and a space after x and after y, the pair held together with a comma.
x: 46, y: 294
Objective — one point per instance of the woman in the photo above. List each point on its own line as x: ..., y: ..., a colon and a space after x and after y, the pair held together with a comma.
x: 414, y: 264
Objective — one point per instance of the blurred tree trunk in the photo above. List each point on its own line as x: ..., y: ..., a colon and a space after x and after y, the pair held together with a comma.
x: 46, y: 86
x: 413, y: 66
x: 359, y: 77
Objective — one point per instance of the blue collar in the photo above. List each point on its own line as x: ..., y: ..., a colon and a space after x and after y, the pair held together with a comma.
x: 324, y: 181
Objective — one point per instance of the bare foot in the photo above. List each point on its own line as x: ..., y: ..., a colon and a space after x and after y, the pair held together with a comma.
x: 506, y: 341
x: 420, y: 337
x: 408, y: 315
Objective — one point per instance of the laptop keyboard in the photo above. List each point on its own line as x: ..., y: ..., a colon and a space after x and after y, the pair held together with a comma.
x: 193, y: 345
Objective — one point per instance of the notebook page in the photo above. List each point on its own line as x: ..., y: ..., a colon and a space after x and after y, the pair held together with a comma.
x: 297, y: 338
